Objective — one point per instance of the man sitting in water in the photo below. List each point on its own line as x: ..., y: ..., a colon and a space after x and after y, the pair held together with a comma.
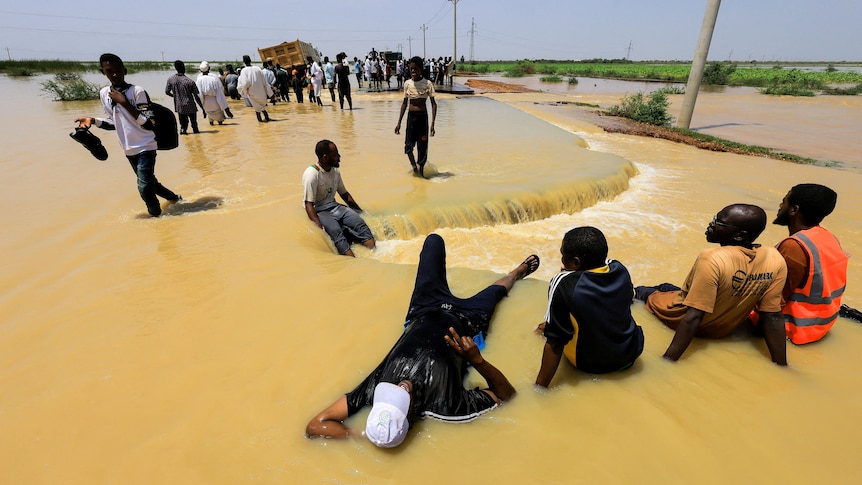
x: 321, y: 181
x: 423, y: 373
x: 724, y: 285
x: 589, y: 316
x: 816, y: 264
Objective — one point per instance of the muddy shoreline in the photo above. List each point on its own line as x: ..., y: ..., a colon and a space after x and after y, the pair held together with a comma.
x: 616, y: 124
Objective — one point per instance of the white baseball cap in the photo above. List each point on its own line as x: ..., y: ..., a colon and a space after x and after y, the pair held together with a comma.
x: 387, y: 423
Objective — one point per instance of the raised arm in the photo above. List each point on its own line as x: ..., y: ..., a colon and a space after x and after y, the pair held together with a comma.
x: 684, y: 333
x: 329, y: 423
x: 499, y: 387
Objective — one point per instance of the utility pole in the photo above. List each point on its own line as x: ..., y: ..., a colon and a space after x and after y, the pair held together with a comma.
x: 629, y: 50
x: 400, y: 48
x: 410, y: 45
x: 424, y: 28
x: 455, y: 31
x: 697, y: 64
x: 8, y: 53
x: 163, y: 56
x: 472, y: 33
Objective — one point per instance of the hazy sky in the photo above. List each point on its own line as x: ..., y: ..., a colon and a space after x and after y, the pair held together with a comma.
x: 192, y: 30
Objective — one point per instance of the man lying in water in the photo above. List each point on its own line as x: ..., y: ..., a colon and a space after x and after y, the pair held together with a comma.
x: 423, y: 373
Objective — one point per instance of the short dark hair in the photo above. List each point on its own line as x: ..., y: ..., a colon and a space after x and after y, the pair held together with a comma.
x: 110, y: 59
x: 246, y: 59
x: 180, y: 66
x: 417, y: 60
x: 588, y: 244
x: 322, y: 148
x: 753, y: 219
x: 815, y: 202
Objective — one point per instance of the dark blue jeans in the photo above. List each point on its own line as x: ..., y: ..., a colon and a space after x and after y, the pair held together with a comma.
x: 417, y: 135
x: 431, y: 291
x: 643, y: 292
x: 144, y: 165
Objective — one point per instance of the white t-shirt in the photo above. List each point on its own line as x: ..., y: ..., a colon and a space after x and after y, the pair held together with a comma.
x: 320, y: 187
x: 134, y: 138
x: 420, y: 89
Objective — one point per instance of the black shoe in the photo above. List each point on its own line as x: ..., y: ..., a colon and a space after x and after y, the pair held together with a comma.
x: 91, y: 142
x: 851, y: 313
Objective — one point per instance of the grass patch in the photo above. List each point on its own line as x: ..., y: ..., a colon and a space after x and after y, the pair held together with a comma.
x: 551, y: 79
x: 787, y: 90
x: 520, y: 69
x: 34, y: 67
x: 751, y: 149
x: 671, y: 90
x: 572, y: 80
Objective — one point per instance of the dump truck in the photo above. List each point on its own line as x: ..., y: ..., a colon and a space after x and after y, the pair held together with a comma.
x: 289, y: 54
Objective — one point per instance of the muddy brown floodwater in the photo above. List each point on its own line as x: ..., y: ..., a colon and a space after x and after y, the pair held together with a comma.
x: 195, y: 347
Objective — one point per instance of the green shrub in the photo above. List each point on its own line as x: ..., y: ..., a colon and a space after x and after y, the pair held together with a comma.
x: 21, y: 72
x: 787, y: 90
x: 547, y: 69
x: 70, y: 87
x: 671, y: 90
x: 718, y: 74
x: 520, y: 69
x: 573, y: 80
x: 513, y: 71
x: 650, y: 109
x: 551, y: 79
x: 482, y: 68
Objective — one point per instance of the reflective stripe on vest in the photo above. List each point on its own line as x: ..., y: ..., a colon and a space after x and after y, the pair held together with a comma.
x: 811, y: 311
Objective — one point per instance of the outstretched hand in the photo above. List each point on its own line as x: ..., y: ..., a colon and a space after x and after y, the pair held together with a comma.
x: 465, y: 346
x: 85, y: 121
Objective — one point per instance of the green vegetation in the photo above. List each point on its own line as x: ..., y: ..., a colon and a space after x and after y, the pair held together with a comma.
x: 671, y: 90
x: 787, y: 90
x: 33, y: 67
x: 718, y: 73
x: 70, y: 87
x: 732, y: 146
x: 551, y: 79
x: 572, y: 80
x: 777, y: 79
x: 651, y: 109
x: 519, y: 69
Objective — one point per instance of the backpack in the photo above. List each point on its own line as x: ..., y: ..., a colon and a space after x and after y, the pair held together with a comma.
x: 162, y: 122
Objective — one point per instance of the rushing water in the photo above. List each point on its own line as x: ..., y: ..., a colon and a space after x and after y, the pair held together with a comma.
x: 194, y: 348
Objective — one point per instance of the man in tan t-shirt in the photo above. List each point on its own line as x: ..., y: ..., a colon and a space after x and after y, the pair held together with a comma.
x: 724, y: 286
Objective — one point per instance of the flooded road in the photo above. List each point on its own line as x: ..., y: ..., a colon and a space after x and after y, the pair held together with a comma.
x: 194, y: 348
